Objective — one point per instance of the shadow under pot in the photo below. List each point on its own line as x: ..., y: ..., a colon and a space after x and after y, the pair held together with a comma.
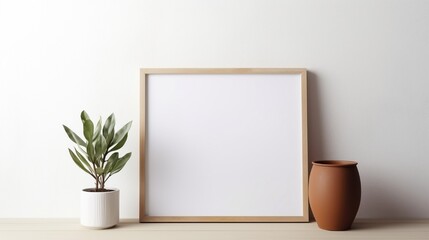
x: 334, y: 193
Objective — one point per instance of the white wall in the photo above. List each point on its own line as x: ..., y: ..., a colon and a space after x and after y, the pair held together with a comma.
x: 368, y: 86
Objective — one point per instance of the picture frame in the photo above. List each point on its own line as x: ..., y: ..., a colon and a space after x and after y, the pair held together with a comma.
x: 223, y: 145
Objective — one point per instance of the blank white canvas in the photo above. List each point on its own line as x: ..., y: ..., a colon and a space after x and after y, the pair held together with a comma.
x: 224, y: 145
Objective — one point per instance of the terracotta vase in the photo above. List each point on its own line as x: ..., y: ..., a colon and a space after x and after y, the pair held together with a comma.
x: 334, y: 194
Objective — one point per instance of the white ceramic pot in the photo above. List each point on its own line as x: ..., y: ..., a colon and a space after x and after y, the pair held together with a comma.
x: 99, y: 210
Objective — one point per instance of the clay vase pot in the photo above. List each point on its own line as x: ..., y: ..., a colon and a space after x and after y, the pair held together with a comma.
x: 334, y: 194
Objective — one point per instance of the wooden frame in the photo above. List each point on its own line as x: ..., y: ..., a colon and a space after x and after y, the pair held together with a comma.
x: 144, y: 78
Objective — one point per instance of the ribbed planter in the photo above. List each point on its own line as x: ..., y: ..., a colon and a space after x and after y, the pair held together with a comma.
x: 334, y: 194
x: 99, y: 210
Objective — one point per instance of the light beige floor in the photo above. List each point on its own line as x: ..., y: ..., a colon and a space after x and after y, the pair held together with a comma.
x: 70, y: 229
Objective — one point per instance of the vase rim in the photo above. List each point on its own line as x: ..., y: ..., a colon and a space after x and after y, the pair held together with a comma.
x: 335, y: 163
x: 111, y: 191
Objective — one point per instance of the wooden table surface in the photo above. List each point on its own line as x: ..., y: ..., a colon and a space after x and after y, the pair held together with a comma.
x: 129, y: 229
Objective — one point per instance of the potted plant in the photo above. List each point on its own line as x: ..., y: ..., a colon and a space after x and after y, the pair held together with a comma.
x: 97, y: 154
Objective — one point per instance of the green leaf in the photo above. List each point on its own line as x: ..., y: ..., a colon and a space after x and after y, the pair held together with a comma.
x: 108, y: 167
x: 97, y: 130
x: 77, y: 161
x: 108, y: 125
x: 100, y: 146
x: 109, y: 129
x: 110, y: 138
x: 111, y: 162
x: 91, y: 153
x: 112, y: 123
x: 120, y: 144
x: 99, y: 170
x: 74, y: 137
x: 88, y: 129
x: 121, y: 133
x: 120, y: 163
x: 84, y: 116
x: 83, y: 160
x: 82, y: 151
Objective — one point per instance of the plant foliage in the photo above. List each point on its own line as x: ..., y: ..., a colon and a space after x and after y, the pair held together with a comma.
x: 97, y: 152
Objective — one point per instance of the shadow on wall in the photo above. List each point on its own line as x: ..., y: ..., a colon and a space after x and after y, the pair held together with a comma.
x: 315, y: 124
x: 382, y: 202
x: 378, y: 199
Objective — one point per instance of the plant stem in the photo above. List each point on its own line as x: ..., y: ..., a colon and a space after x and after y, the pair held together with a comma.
x: 95, y: 176
x: 108, y: 177
x: 103, y: 180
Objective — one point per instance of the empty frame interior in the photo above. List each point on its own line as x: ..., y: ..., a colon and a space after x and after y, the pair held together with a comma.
x: 223, y: 145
